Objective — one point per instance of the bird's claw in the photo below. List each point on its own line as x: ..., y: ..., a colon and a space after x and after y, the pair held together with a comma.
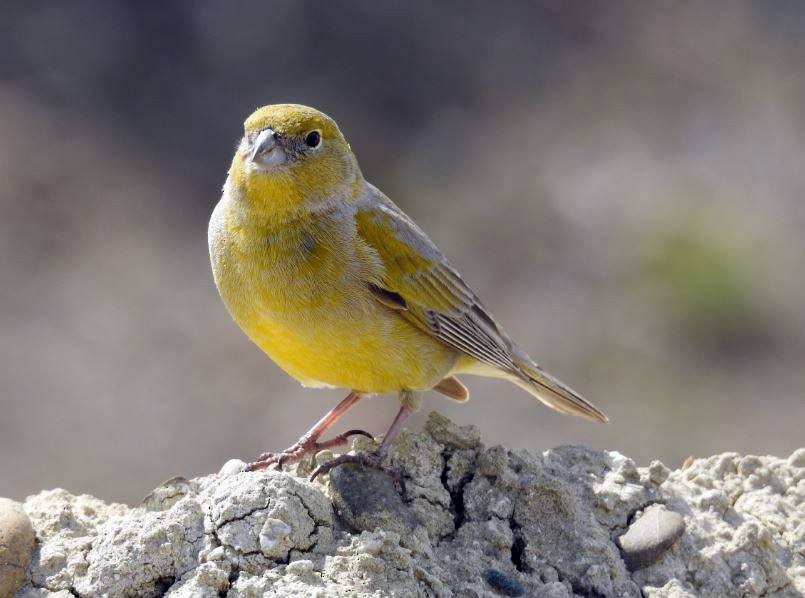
x: 363, y: 459
x: 303, y: 447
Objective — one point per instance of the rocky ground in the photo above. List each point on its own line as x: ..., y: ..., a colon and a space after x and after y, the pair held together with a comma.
x: 472, y: 521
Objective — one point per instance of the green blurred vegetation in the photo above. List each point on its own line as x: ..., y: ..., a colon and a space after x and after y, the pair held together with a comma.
x: 706, y: 280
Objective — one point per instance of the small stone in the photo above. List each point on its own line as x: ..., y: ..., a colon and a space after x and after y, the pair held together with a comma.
x: 548, y: 574
x: 753, y: 482
x: 658, y: 472
x: 749, y: 465
x: 451, y: 435
x: 166, y: 494
x: 216, y: 554
x: 713, y: 499
x: 650, y: 536
x: 301, y: 567
x: 503, y: 583
x: 16, y: 545
x: 493, y: 461
x: 672, y: 589
x: 797, y: 458
x: 366, y: 498
x: 362, y: 444
x: 273, y: 532
x: 232, y: 467
x: 624, y: 466
x: 308, y: 464
x: 724, y: 465
x: 324, y: 456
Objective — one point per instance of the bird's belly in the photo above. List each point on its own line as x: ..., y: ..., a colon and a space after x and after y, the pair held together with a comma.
x: 362, y: 347
x: 338, y: 336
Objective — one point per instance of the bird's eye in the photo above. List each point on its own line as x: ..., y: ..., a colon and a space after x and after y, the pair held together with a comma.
x: 313, y: 139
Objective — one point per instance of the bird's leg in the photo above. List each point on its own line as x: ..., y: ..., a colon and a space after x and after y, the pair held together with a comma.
x: 309, y: 443
x: 394, y: 430
x: 375, y: 460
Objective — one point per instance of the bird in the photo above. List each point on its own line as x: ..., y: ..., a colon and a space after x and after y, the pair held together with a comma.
x: 341, y: 289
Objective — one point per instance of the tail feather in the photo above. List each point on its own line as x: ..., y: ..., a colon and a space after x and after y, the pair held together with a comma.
x: 452, y: 388
x: 554, y: 393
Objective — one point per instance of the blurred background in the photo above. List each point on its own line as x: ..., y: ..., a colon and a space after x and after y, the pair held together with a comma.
x: 621, y: 182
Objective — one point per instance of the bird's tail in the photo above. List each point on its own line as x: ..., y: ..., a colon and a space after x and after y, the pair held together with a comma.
x: 554, y: 393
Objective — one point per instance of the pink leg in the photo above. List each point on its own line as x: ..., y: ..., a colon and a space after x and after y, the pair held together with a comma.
x: 309, y: 443
x: 372, y: 460
x: 394, y: 430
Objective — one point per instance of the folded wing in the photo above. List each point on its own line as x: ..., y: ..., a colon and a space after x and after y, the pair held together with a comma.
x: 421, y: 285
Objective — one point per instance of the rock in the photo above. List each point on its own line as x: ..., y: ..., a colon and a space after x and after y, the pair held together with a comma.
x: 650, y: 536
x: 501, y: 582
x: 232, y: 467
x: 16, y: 545
x: 657, y: 472
x: 166, y: 494
x: 451, y: 435
x: 367, y: 499
x: 262, y: 518
x: 673, y: 589
x: 30, y: 592
x: 797, y: 459
x: 474, y: 521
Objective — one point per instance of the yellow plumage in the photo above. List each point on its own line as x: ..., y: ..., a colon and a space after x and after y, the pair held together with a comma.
x: 337, y: 285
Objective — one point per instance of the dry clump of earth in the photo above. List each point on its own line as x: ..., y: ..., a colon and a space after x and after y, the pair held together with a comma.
x: 471, y: 521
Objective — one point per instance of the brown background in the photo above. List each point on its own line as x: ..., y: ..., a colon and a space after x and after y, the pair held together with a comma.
x: 622, y: 183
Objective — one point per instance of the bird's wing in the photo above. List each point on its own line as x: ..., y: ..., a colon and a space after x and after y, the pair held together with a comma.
x: 418, y: 282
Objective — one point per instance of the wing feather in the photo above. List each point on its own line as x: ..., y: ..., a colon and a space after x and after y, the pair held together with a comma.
x: 438, y: 299
x: 417, y: 281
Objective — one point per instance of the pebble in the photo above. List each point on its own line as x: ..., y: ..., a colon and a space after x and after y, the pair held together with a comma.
x: 503, y: 583
x: 232, y: 467
x: 749, y: 465
x: 658, y: 472
x: 17, y: 541
x: 650, y: 536
x: 272, y: 534
x: 301, y: 567
x: 672, y: 589
x: 167, y: 494
x: 797, y: 458
x: 713, y: 499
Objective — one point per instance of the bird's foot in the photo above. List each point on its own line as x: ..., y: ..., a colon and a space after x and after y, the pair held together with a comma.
x: 373, y: 460
x: 304, y: 446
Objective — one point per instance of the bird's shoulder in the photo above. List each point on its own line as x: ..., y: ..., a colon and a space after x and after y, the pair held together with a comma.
x: 417, y: 279
x: 407, y: 253
x: 381, y: 222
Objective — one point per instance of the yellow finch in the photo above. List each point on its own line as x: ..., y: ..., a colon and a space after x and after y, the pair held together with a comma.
x: 341, y: 289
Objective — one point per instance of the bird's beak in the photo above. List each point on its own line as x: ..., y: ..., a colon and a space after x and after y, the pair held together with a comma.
x: 267, y: 152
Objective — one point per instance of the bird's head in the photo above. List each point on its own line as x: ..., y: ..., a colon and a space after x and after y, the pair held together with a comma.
x: 292, y: 158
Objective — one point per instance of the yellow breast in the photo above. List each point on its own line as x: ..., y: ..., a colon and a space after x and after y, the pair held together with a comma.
x: 299, y: 292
